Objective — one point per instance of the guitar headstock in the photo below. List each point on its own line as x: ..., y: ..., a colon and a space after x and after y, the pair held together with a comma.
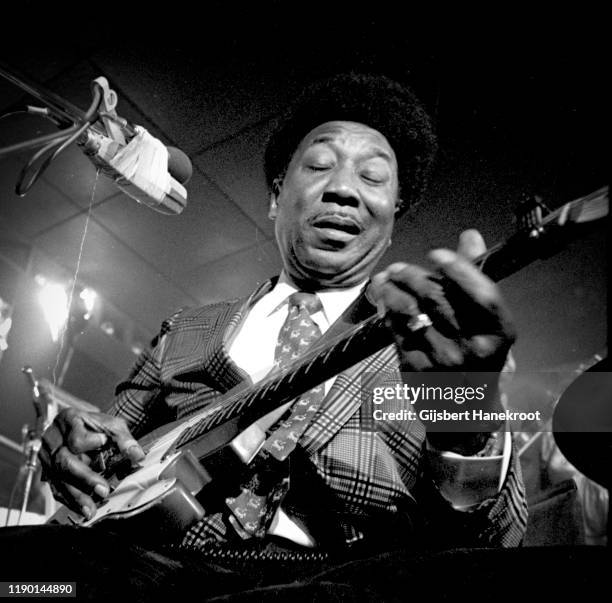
x: 589, y: 208
x: 541, y: 232
x: 533, y: 216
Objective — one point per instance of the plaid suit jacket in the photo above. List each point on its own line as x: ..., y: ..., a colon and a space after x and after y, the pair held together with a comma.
x: 362, y: 477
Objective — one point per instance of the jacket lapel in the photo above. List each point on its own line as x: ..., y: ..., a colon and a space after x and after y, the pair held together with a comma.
x: 225, y: 374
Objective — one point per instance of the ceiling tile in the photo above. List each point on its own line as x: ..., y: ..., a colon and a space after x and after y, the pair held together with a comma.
x: 36, y: 64
x: 74, y: 174
x: 210, y: 227
x: 41, y: 208
x: 235, y: 275
x: 193, y: 97
x: 114, y: 270
x: 236, y: 165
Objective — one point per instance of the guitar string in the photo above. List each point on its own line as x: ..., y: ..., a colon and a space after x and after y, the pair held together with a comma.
x: 229, y: 407
x: 233, y: 405
x: 214, y: 414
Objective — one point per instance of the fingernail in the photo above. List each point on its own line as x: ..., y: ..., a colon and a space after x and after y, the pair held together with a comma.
x: 101, y: 490
x: 87, y: 511
x: 135, y: 451
x: 442, y: 256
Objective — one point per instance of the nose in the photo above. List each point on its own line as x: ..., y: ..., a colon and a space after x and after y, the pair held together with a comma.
x: 340, y: 189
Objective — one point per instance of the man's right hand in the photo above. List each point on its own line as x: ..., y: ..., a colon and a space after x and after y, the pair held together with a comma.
x: 67, y: 450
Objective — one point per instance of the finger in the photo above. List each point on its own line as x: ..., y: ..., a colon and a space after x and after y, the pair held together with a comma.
x: 70, y: 469
x: 470, y: 284
x: 119, y: 433
x: 428, y: 293
x: 52, y: 441
x: 74, y: 499
x: 475, y: 299
x: 471, y: 244
x: 439, y: 349
x: 82, y: 439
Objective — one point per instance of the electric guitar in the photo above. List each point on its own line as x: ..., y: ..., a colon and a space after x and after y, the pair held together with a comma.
x: 188, y: 462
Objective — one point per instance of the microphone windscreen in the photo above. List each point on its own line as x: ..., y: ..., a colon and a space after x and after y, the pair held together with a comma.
x: 179, y: 165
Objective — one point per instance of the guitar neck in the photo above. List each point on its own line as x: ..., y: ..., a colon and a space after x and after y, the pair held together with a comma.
x: 324, y: 361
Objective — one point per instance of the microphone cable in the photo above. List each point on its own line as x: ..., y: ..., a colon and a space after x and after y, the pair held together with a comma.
x: 54, y: 144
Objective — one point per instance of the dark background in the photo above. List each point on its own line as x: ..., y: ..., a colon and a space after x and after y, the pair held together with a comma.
x: 520, y: 104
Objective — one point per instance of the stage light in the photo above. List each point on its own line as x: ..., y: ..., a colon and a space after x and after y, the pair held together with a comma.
x: 5, y: 324
x: 54, y: 301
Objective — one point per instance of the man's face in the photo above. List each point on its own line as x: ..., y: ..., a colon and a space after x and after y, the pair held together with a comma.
x: 335, y: 208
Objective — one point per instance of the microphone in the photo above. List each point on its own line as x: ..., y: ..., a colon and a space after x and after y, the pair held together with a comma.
x: 142, y: 167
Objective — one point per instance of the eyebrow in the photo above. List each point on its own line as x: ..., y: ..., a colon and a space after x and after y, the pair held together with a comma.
x: 376, y: 151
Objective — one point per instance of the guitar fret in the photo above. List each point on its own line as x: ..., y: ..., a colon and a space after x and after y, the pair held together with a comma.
x: 284, y: 382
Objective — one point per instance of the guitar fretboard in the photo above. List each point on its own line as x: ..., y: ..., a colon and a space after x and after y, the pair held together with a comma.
x: 317, y: 365
x: 327, y: 359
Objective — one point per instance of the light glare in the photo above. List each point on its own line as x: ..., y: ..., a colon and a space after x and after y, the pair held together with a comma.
x: 89, y: 297
x: 54, y: 302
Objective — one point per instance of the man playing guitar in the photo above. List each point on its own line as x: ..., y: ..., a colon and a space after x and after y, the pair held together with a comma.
x: 325, y: 481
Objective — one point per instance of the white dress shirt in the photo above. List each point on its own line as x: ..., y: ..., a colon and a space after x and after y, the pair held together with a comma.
x: 252, y: 347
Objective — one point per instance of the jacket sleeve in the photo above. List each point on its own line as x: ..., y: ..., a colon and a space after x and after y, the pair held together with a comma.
x: 498, y: 521
x: 139, y: 399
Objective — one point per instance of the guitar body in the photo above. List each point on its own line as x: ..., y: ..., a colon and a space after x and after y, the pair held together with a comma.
x: 169, y: 491
x: 154, y: 503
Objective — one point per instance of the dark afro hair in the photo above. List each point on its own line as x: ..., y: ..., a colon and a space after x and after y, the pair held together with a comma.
x: 373, y: 100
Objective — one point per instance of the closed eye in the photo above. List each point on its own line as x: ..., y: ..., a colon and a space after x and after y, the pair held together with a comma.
x: 373, y: 179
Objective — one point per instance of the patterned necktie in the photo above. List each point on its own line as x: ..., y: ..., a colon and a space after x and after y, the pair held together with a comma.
x: 254, y: 508
x: 295, y: 337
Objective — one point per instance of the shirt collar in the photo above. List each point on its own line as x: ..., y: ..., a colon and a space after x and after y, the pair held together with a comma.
x: 334, y: 301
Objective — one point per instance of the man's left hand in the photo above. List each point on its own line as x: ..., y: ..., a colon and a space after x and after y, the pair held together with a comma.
x: 470, y: 329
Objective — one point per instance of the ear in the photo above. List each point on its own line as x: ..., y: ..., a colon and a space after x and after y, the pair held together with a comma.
x: 399, y: 205
x: 273, y: 208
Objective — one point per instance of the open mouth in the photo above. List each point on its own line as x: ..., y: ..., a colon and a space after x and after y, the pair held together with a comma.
x: 337, y: 222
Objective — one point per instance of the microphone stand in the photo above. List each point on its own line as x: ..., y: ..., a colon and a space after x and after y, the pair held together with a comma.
x: 43, y: 405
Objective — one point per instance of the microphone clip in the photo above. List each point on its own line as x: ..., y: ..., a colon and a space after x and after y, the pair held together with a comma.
x: 107, y: 113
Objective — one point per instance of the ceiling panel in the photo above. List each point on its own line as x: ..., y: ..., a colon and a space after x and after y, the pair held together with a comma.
x: 195, y: 99
x: 210, y: 227
x: 235, y: 275
x: 41, y: 208
x: 128, y: 281
x: 75, y: 175
x: 236, y: 165
x: 33, y: 62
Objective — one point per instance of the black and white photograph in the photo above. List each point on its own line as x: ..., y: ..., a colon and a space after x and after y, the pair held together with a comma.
x: 303, y: 302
